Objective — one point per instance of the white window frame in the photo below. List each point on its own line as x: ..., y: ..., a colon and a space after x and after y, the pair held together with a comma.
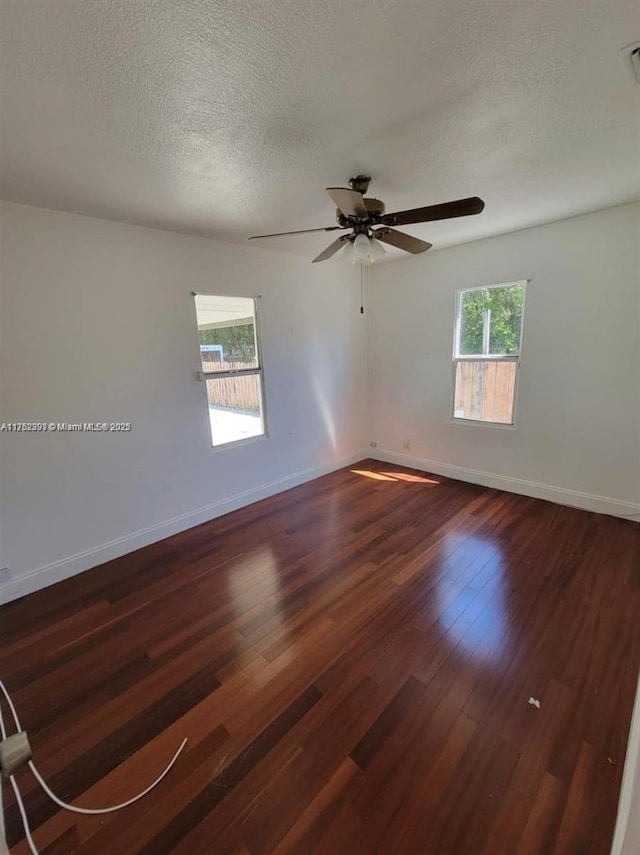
x: 485, y: 357
x: 240, y: 372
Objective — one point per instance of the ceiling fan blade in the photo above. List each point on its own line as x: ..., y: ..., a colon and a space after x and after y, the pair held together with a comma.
x: 446, y: 211
x: 299, y: 232
x: 350, y: 202
x: 331, y: 249
x: 402, y: 241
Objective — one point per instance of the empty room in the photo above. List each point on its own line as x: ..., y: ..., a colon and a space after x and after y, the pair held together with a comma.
x: 319, y: 427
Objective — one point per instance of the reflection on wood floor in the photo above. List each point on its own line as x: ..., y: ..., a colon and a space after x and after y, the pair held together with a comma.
x: 352, y: 662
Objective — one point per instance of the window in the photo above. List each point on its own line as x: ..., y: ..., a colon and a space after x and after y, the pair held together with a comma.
x: 231, y: 367
x: 486, y: 352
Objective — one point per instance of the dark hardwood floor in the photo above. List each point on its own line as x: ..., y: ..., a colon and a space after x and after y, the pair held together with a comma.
x: 351, y: 661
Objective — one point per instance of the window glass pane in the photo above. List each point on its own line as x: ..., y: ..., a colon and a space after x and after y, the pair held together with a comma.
x: 226, y: 330
x: 485, y: 391
x: 235, y: 408
x: 490, y: 320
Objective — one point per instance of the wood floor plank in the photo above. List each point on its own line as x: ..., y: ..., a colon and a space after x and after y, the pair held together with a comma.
x: 352, y: 661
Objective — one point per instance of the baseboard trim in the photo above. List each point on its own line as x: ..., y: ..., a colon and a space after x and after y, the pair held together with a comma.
x: 42, y: 577
x: 559, y: 495
x: 626, y: 837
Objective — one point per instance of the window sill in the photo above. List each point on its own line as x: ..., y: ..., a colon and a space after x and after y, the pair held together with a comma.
x: 481, y: 422
x: 225, y: 446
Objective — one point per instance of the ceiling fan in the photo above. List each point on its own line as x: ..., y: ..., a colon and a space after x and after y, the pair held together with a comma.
x: 369, y: 226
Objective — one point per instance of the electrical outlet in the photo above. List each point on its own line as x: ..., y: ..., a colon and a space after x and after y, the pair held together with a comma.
x: 406, y: 444
x: 5, y: 575
x: 373, y: 444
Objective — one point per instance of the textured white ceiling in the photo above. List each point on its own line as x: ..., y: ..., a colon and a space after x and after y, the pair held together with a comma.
x: 229, y: 117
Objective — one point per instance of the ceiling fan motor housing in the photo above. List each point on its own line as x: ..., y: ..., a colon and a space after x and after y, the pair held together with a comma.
x: 375, y: 210
x: 375, y: 207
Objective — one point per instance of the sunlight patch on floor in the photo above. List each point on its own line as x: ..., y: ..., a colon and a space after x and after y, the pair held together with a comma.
x: 376, y: 476
x: 406, y: 476
x: 394, y: 476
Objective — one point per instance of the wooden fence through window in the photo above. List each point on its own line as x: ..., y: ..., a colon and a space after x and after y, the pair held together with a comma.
x: 234, y: 393
x: 485, y: 390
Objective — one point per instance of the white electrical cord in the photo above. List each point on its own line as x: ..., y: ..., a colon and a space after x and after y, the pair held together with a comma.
x: 52, y: 795
x: 92, y: 811
x: 23, y: 814
x: 14, y: 784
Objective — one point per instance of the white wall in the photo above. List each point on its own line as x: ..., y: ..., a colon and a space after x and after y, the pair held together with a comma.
x: 98, y: 324
x: 578, y: 410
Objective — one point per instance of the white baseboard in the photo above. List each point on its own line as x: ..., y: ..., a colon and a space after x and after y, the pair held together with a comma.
x: 42, y: 577
x: 559, y: 495
x: 626, y: 837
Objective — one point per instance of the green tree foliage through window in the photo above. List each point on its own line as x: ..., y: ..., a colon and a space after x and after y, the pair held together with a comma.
x: 496, y: 310
x: 238, y: 342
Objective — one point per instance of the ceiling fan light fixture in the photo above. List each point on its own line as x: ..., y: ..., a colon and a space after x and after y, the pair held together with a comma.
x: 376, y: 250
x: 361, y: 247
x: 347, y: 255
